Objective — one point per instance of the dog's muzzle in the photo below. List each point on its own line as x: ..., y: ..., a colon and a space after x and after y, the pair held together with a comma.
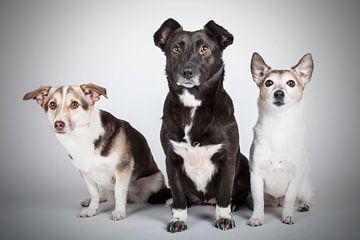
x: 188, y: 82
x: 279, y: 96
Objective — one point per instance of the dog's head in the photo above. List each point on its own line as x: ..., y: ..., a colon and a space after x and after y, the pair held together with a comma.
x: 67, y: 107
x: 281, y: 88
x: 192, y: 58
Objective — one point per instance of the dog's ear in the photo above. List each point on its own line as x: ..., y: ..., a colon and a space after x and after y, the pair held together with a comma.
x: 304, y: 68
x: 93, y: 92
x: 38, y: 94
x: 223, y: 37
x: 163, y: 34
x: 258, y: 68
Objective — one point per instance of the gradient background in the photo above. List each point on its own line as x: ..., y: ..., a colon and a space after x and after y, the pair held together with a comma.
x: 110, y: 43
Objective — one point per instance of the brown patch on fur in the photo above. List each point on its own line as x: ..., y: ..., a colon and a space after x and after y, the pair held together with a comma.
x: 38, y: 94
x: 79, y: 96
x: 93, y: 92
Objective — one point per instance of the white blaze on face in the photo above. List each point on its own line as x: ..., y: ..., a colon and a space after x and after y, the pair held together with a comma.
x: 280, y: 81
x: 73, y: 117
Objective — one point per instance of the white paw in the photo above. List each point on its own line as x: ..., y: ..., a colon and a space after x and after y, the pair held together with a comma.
x: 85, y: 202
x: 288, y: 220
x: 87, y: 212
x: 255, y: 222
x: 117, y: 216
x: 169, y: 202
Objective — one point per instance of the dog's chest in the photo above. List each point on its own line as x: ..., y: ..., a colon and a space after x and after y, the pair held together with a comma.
x: 197, y: 162
x: 86, y: 158
x: 197, y: 159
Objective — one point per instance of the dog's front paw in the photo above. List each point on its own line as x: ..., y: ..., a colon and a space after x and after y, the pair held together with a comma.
x: 303, y: 207
x: 255, y: 222
x: 86, y: 201
x: 288, y: 220
x: 176, y: 226
x: 225, y: 223
x: 117, y: 216
x: 87, y: 212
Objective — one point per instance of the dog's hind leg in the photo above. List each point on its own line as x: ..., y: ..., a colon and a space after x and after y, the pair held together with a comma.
x: 141, y: 189
x: 305, y: 195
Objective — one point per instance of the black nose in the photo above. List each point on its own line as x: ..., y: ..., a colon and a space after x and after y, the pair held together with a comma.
x: 59, y: 125
x: 279, y: 94
x: 188, y: 73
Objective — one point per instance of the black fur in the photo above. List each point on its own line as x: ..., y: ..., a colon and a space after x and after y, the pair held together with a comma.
x: 144, y: 164
x: 214, y: 121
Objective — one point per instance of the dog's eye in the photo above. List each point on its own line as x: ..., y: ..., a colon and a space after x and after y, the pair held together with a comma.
x: 268, y: 83
x: 291, y: 83
x: 204, y: 50
x: 176, y: 49
x: 52, y: 105
x: 74, y: 104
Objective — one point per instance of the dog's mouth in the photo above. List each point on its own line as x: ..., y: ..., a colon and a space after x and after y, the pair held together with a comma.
x: 278, y: 103
x: 188, y: 82
x: 60, y: 131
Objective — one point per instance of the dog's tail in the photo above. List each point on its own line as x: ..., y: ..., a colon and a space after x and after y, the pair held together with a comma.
x: 161, y: 196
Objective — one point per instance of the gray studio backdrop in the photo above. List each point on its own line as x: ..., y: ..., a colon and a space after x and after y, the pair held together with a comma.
x: 110, y: 43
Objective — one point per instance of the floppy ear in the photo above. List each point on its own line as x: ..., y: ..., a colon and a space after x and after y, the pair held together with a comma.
x: 38, y: 94
x: 223, y: 37
x: 304, y: 68
x: 162, y: 35
x: 93, y: 92
x: 258, y: 68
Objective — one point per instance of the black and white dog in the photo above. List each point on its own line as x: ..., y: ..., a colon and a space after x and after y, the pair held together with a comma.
x: 199, y: 132
x: 111, y: 155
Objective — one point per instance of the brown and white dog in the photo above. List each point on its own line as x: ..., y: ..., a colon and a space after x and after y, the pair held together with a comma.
x: 110, y: 154
x: 278, y: 160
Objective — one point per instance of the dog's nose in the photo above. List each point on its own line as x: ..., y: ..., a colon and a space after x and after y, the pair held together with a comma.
x: 188, y: 73
x: 59, y: 125
x: 279, y: 94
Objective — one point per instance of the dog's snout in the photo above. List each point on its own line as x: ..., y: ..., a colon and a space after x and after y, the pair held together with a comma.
x: 59, y: 125
x: 279, y: 94
x: 188, y: 73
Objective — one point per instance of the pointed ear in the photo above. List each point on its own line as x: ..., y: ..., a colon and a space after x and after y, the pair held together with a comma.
x: 258, y: 68
x: 93, y: 92
x: 163, y: 34
x: 38, y: 94
x: 223, y: 37
x: 304, y: 68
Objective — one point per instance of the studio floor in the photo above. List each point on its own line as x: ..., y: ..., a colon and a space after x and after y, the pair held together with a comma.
x: 331, y: 217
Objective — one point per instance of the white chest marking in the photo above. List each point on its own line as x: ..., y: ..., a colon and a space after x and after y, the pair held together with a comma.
x: 189, y: 100
x: 197, y: 163
x: 80, y: 145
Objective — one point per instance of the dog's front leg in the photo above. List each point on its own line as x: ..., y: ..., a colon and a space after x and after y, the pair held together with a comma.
x: 257, y: 193
x: 290, y: 197
x: 122, y: 180
x: 94, y: 196
x: 223, y: 217
x: 179, y: 207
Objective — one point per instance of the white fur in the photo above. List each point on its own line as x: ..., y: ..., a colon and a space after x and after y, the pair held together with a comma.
x: 223, y: 212
x: 80, y: 145
x: 181, y: 81
x: 278, y: 159
x: 179, y: 215
x: 197, y: 163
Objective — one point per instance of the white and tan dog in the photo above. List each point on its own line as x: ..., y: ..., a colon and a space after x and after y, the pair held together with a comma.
x: 278, y: 159
x: 110, y: 154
